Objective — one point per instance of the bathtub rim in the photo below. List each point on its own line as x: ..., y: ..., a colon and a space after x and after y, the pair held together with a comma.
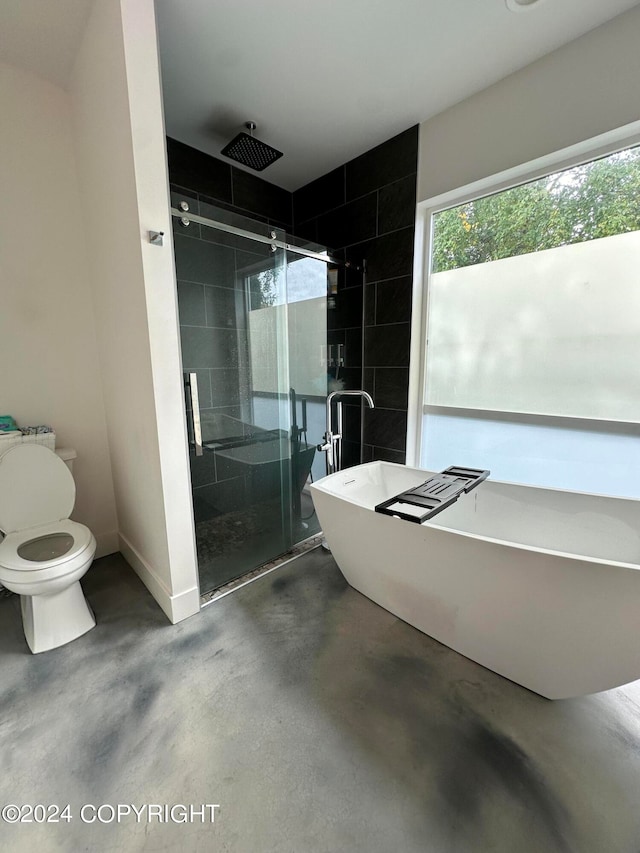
x: 433, y: 525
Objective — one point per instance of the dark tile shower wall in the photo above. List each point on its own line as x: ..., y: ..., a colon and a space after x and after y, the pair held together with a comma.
x: 212, y: 311
x: 366, y: 210
x: 223, y: 185
x: 213, y: 335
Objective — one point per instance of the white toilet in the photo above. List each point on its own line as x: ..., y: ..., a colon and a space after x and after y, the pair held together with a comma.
x: 44, y: 554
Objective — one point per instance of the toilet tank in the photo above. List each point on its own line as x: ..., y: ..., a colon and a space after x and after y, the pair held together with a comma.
x: 67, y: 454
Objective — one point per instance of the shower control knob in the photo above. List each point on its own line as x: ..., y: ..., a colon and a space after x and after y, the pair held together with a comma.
x: 185, y: 221
x: 184, y: 206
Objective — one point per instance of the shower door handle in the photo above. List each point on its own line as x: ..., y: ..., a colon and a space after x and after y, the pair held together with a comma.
x: 195, y: 413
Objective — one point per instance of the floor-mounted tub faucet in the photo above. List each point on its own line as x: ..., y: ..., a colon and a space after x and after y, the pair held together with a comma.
x: 333, y: 440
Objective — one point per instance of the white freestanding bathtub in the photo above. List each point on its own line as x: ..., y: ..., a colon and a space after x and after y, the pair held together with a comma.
x: 539, y: 585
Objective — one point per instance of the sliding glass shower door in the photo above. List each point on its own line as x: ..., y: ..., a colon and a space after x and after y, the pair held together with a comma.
x: 253, y: 325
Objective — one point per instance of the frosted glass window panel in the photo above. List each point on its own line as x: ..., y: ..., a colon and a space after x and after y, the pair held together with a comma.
x: 561, y: 456
x: 307, y: 335
x: 554, y: 332
x: 307, y: 341
x: 265, y: 334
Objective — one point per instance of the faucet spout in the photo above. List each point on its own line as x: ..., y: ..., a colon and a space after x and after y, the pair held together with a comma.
x: 364, y: 394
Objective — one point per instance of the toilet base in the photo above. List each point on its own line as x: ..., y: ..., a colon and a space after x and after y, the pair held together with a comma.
x: 53, y: 620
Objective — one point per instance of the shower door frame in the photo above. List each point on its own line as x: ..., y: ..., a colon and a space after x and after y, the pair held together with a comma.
x: 276, y: 243
x: 258, y: 238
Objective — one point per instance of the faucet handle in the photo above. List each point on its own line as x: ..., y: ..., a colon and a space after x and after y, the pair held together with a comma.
x: 328, y: 442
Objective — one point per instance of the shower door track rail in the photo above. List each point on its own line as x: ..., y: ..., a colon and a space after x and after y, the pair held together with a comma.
x: 300, y: 548
x: 251, y: 235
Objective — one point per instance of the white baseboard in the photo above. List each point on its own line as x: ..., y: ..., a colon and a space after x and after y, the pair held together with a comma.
x: 176, y: 607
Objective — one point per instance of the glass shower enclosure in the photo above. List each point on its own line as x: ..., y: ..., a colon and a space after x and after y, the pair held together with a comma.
x: 253, y: 323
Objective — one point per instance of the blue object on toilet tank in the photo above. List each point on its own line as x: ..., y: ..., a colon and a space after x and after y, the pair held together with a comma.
x: 7, y: 424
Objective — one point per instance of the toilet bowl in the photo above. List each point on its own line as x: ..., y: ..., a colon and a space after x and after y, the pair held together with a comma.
x: 43, y: 554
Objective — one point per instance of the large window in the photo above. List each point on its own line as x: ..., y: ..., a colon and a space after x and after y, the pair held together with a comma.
x: 587, y: 202
x: 533, y: 330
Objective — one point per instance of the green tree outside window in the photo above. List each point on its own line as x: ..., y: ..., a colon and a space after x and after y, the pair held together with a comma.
x: 597, y: 199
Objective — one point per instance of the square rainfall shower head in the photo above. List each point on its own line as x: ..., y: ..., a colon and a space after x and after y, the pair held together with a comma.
x: 251, y: 152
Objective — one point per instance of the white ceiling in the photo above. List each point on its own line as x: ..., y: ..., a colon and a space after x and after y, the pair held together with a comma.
x: 325, y: 80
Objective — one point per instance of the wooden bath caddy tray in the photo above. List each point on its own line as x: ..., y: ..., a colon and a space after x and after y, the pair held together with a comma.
x: 434, y: 495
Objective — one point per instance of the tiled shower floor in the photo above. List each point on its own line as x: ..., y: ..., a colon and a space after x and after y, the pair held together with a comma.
x: 236, y: 543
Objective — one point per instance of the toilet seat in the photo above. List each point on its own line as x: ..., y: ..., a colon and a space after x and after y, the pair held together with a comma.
x: 36, y: 488
x: 11, y: 561
x: 37, y: 493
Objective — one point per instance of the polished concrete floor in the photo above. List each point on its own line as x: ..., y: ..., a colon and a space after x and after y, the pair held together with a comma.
x: 316, y: 720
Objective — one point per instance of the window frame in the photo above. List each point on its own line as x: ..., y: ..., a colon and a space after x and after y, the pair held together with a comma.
x: 574, y: 155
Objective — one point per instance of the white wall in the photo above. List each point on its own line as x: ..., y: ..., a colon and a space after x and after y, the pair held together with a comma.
x: 121, y: 153
x: 579, y: 91
x: 49, y: 371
